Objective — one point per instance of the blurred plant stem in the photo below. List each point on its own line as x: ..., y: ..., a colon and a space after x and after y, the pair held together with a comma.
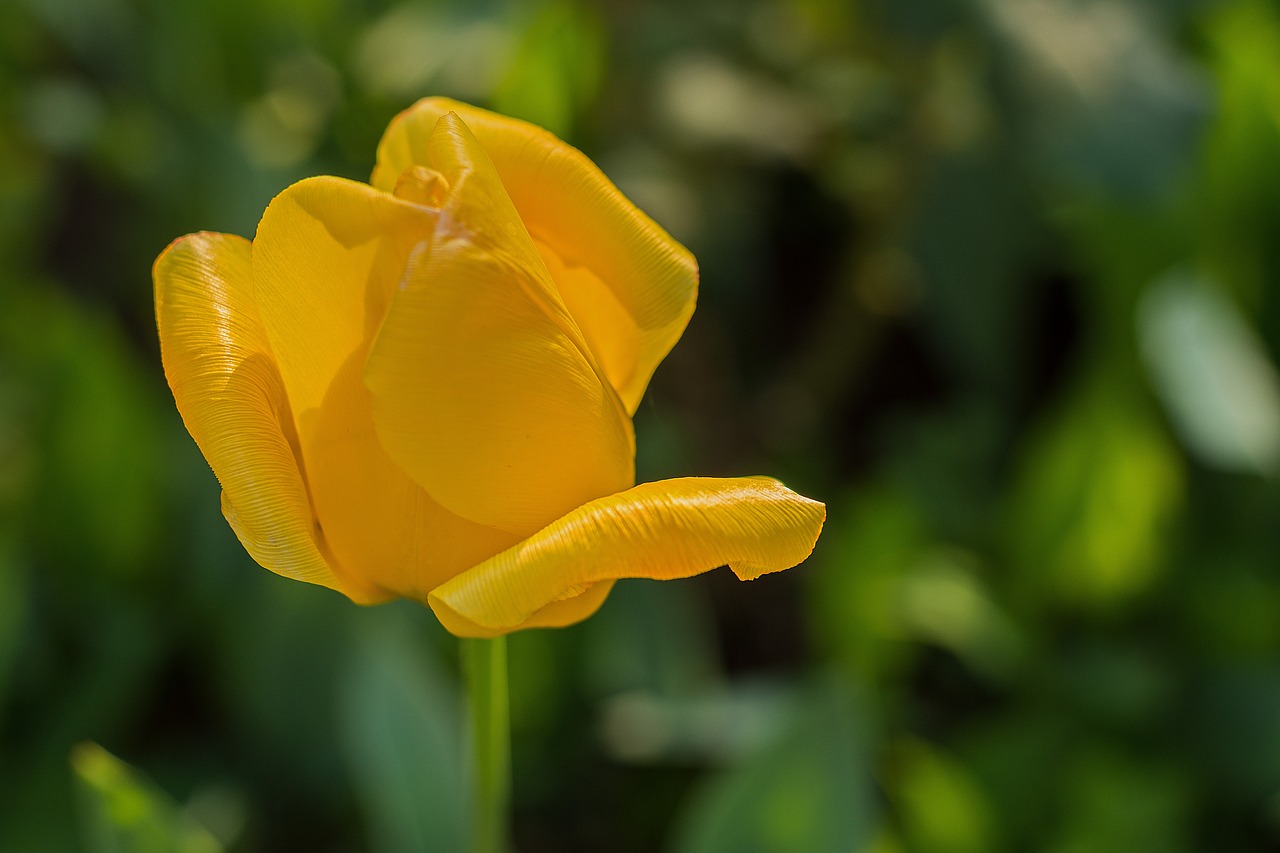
x: 485, y: 662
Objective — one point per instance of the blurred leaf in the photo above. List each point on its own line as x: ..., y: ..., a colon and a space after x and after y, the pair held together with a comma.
x: 888, y: 583
x: 1213, y: 374
x: 1112, y: 802
x: 715, y: 727
x: 714, y: 103
x: 274, y: 648
x: 863, y: 554
x: 414, y: 50
x: 943, y: 601
x: 1098, y: 493
x: 556, y: 67
x: 98, y: 429
x: 402, y: 735
x: 809, y: 790
x: 1112, y: 106
x: 1237, y: 206
x: 63, y: 115
x: 123, y: 812
x: 652, y: 638
x: 941, y: 806
x: 284, y: 126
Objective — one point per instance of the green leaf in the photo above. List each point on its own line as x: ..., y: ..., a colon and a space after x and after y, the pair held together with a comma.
x: 1100, y: 489
x: 402, y: 734
x: 808, y: 790
x: 124, y: 812
x: 1212, y: 372
x: 651, y: 638
x: 556, y: 67
x: 941, y: 806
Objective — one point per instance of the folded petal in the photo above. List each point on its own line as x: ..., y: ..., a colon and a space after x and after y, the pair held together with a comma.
x: 629, y: 285
x: 565, y: 611
x: 327, y: 257
x: 663, y: 530
x: 483, y: 389
x: 228, y: 390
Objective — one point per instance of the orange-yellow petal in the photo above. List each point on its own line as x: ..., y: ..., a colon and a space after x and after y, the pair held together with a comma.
x: 482, y: 387
x: 629, y: 285
x: 663, y: 530
x: 380, y: 523
x: 327, y: 257
x: 228, y: 390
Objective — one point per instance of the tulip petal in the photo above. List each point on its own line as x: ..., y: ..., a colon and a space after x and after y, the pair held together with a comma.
x: 558, y: 614
x: 663, y: 530
x: 629, y: 285
x: 483, y: 390
x: 377, y: 520
x: 327, y: 257
x: 229, y: 393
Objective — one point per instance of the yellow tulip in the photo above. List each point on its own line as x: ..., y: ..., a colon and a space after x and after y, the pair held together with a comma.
x: 423, y: 387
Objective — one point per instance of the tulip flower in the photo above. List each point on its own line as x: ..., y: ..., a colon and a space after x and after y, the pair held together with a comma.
x: 423, y: 387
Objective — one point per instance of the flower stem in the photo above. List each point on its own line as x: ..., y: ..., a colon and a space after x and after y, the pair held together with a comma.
x: 485, y: 663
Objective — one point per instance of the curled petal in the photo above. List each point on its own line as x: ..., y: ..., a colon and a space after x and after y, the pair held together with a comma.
x: 663, y: 530
x: 630, y: 286
x: 228, y: 390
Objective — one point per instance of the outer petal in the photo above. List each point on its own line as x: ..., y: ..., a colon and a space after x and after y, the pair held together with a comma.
x: 664, y: 530
x: 229, y: 393
x: 629, y: 285
x: 483, y: 389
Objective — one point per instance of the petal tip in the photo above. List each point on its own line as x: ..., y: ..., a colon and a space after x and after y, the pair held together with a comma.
x: 185, y: 240
x: 664, y: 530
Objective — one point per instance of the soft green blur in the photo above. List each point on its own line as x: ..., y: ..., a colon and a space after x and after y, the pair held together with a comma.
x: 999, y: 280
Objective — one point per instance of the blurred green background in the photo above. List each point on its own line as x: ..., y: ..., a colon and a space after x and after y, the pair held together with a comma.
x: 999, y: 280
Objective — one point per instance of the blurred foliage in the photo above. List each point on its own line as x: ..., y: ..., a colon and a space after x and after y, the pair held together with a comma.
x: 997, y: 279
x: 123, y: 812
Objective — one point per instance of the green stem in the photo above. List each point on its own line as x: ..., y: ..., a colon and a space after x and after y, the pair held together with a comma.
x: 485, y: 662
